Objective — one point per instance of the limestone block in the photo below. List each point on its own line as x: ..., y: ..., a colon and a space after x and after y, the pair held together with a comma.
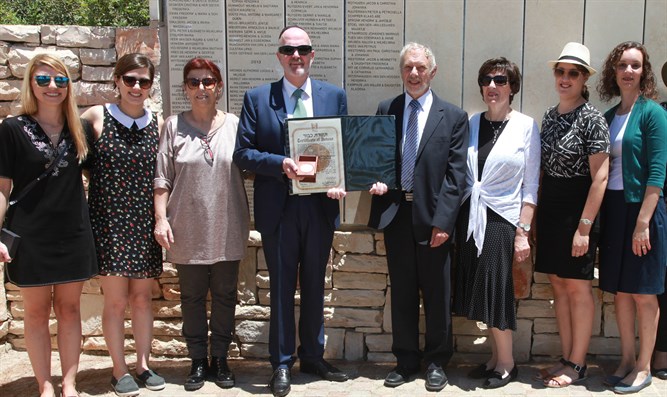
x: 17, y: 327
x: 255, y: 350
x: 328, y: 274
x: 14, y: 295
x: 168, y: 346
x: 11, y: 287
x: 167, y: 280
x: 610, y: 329
x: 357, y: 298
x: 350, y: 318
x: 386, y: 312
x: 608, y: 297
x: 4, y: 51
x: 89, y: 94
x: 354, y: 346
x: 92, y: 306
x: 246, y: 288
x: 167, y: 327
x: 254, y: 239
x: 92, y: 286
x: 4, y: 328
x: 142, y: 40
x: 379, y: 343
x: 542, y: 292
x: 19, y: 343
x: 354, y: 242
x: 522, y: 273
x: 171, y: 292
x: 380, y: 248
x: 156, y: 290
x: 264, y: 296
x: 166, y: 309
x: 5, y: 72
x: 250, y: 331
x: 381, y: 357
x: 10, y: 90
x: 262, y: 279
x: 4, y: 312
x: 252, y: 312
x: 5, y: 109
x: 597, y: 314
x: 20, y: 55
x: 463, y: 326
x: 334, y: 343
x: 368, y: 330
x: 472, y: 344
x: 531, y: 309
x: 546, y: 345
x: 98, y: 56
x: 168, y: 270
x: 48, y: 34
x: 20, y: 33
x: 233, y: 350
x: 360, y: 263
x: 372, y: 281
x: 261, y: 260
x: 602, y: 345
x: 84, y: 36
x: 100, y: 73
x: 521, y: 340
x: 545, y: 326
x: 540, y: 278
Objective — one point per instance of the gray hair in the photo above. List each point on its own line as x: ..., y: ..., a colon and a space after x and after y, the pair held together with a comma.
x: 412, y: 46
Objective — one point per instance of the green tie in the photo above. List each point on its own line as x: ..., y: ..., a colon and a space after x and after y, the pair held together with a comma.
x: 299, y: 108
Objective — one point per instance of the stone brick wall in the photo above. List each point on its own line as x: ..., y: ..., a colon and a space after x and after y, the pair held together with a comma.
x: 357, y: 302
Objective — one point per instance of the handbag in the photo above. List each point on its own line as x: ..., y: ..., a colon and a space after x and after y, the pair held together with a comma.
x: 9, y: 238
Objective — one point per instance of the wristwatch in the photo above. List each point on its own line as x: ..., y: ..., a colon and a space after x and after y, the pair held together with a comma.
x: 525, y: 226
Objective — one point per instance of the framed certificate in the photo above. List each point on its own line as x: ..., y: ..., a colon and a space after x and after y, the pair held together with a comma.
x: 352, y: 152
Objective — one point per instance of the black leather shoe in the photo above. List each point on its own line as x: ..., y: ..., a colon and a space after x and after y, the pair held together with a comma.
x: 399, y: 375
x: 220, y: 373
x: 197, y: 375
x: 280, y: 382
x: 325, y: 371
x: 436, y: 379
x: 496, y: 380
x: 480, y: 372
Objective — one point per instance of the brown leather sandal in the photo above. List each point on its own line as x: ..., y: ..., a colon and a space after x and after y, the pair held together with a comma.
x: 545, y: 374
x: 563, y: 380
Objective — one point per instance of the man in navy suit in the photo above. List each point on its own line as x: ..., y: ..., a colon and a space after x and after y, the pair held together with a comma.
x: 418, y: 218
x: 297, y: 231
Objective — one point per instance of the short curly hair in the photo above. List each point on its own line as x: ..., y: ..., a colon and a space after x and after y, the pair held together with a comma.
x: 607, y: 86
x: 504, y: 65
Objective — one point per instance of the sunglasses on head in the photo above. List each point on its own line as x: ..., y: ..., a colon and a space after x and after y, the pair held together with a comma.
x: 486, y: 80
x: 571, y: 73
x: 208, y: 82
x: 44, y: 81
x: 131, y: 81
x: 289, y: 50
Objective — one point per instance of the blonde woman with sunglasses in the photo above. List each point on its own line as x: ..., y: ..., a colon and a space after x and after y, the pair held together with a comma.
x: 56, y: 254
x: 121, y: 207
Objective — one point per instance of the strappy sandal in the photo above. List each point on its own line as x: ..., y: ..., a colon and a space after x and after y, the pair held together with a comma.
x: 545, y: 374
x: 559, y: 381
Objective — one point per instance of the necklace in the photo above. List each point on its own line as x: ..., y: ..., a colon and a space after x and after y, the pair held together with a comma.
x: 497, y: 130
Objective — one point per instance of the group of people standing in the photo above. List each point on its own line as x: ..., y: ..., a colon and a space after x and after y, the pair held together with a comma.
x: 469, y: 191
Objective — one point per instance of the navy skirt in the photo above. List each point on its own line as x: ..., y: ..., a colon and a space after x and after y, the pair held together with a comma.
x: 620, y: 269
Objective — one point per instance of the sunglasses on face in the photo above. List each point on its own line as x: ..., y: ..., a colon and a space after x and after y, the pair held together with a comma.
x: 208, y: 82
x: 572, y: 73
x: 289, y: 50
x: 498, y: 80
x: 44, y: 81
x: 131, y: 81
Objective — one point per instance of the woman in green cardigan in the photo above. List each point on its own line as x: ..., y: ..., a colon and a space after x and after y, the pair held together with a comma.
x: 633, y: 217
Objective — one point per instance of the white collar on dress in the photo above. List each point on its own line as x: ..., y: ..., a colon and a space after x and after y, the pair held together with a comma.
x: 127, y: 121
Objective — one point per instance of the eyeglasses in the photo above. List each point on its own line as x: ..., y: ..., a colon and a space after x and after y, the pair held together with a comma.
x: 206, y: 145
x: 131, y: 81
x: 571, y: 73
x: 208, y: 82
x: 486, y: 80
x: 289, y: 50
x: 44, y: 81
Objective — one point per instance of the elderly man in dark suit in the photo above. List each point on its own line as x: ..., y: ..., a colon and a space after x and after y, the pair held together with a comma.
x: 297, y: 231
x: 418, y: 218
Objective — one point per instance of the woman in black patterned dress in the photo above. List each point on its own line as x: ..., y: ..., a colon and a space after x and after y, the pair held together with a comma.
x: 575, y: 163
x: 122, y: 216
x: 56, y: 254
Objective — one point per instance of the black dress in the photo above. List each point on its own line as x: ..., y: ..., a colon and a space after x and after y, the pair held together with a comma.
x: 121, y: 199
x: 52, y: 219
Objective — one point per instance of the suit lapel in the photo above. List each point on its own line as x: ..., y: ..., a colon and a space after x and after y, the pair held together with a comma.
x: 435, y: 116
x: 318, y: 97
x: 277, y: 101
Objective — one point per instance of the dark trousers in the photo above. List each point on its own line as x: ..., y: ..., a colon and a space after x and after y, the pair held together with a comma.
x: 298, y: 248
x: 414, y: 267
x: 196, y: 281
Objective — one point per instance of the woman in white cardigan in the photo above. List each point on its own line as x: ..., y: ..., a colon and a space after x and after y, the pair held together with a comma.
x: 494, y: 222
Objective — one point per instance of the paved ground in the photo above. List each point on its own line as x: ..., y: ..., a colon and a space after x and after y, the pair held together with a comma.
x: 252, y: 375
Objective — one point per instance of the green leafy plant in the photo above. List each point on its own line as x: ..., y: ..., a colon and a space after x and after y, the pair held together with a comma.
x: 116, y: 13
